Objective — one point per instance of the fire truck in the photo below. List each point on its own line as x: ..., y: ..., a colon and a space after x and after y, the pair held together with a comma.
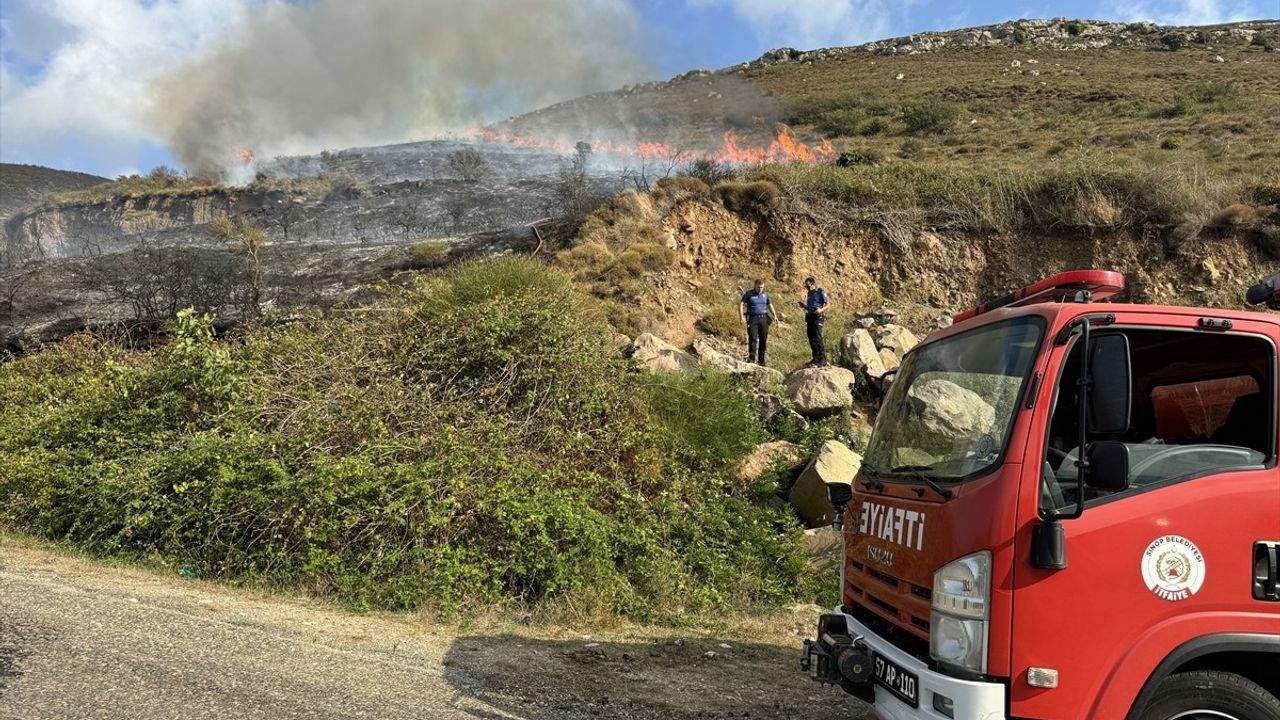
x: 1068, y: 509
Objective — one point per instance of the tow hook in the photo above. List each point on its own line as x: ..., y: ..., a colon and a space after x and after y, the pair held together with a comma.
x: 836, y: 657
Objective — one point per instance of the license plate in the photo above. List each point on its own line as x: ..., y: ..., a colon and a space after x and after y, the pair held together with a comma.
x: 900, y: 682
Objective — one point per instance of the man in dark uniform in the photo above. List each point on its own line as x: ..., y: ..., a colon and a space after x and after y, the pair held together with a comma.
x: 756, y: 310
x: 815, y: 309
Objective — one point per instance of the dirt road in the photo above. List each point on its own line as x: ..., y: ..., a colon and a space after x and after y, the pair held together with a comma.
x: 80, y: 640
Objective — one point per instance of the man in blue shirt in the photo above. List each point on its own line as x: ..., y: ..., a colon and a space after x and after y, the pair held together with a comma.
x: 815, y: 309
x: 756, y: 310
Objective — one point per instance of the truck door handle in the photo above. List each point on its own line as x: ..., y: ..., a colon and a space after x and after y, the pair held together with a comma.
x: 1266, y: 571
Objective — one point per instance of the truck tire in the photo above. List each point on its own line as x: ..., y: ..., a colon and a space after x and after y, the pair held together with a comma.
x: 1210, y: 695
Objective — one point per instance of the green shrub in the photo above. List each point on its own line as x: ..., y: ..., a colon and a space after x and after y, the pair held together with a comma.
x: 874, y: 126
x: 911, y: 149
x: 932, y: 116
x: 842, y: 123
x: 472, y: 440
x: 748, y: 198
x: 1173, y: 142
x: 1074, y: 28
x: 1020, y: 34
x: 1173, y: 41
x: 1266, y: 194
x: 722, y: 321
x: 706, y: 416
x: 430, y: 253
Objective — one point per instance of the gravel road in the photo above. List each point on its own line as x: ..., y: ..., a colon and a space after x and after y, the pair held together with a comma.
x: 80, y: 640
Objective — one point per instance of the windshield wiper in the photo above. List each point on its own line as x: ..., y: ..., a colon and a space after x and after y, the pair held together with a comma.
x: 920, y: 473
x: 872, y: 483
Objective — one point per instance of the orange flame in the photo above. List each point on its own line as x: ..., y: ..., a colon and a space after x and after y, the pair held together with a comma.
x: 247, y: 157
x: 785, y: 148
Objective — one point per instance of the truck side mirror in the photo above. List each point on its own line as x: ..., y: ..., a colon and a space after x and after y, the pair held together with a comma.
x: 1110, y: 397
x: 1108, y: 466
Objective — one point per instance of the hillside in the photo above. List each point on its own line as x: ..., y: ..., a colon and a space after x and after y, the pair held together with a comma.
x: 1013, y: 95
x: 22, y: 185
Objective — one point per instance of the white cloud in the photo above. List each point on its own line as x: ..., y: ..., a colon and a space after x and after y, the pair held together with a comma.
x: 810, y: 24
x: 98, y: 58
x: 1185, y: 12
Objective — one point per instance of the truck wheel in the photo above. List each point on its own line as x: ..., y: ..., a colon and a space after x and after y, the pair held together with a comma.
x: 1210, y: 695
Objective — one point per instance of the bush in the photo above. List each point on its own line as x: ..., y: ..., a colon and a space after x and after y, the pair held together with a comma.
x: 1074, y: 28
x: 473, y: 440
x: 911, y: 149
x: 1266, y: 194
x: 712, y: 172
x: 1173, y: 41
x: 723, y: 322
x: 709, y: 421
x: 430, y: 253
x: 468, y: 164
x: 673, y: 189
x: 747, y: 198
x: 1172, y: 142
x: 928, y: 117
x: 1020, y: 35
x: 869, y: 156
x: 874, y: 126
x: 841, y: 123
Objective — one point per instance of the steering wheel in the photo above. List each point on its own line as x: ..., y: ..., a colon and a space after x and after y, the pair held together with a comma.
x: 1171, y: 453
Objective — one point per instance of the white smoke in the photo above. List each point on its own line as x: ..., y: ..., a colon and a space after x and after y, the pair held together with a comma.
x: 335, y: 73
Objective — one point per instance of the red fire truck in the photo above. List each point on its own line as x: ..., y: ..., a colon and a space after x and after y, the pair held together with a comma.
x: 1068, y: 509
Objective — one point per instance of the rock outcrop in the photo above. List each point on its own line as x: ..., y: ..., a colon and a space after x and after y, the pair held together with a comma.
x: 766, y: 454
x: 716, y: 356
x: 657, y: 355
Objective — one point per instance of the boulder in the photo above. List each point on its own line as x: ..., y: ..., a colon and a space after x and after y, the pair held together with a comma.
x: 889, y: 359
x: 823, y: 546
x: 860, y: 353
x: 657, y: 355
x: 835, y: 464
x: 720, y: 359
x: 950, y: 412
x: 754, y: 464
x: 896, y: 338
x: 820, y: 391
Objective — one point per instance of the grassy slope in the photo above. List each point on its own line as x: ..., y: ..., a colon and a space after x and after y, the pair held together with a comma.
x: 1111, y: 101
x: 21, y: 185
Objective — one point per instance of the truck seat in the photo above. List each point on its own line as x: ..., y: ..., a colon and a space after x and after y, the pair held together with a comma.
x: 1247, y: 424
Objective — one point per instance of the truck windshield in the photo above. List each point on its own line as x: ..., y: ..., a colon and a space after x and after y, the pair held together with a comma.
x: 950, y: 412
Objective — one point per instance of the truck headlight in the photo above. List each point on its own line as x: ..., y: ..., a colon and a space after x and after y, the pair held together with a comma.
x: 958, y: 622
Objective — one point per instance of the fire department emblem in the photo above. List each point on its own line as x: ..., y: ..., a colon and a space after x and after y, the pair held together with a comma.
x: 1173, y: 568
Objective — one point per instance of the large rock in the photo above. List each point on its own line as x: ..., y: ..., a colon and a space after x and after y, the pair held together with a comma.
x: 860, y: 353
x: 949, y: 412
x: 896, y: 338
x: 820, y: 391
x: 720, y: 359
x: 823, y: 546
x: 835, y: 464
x: 754, y: 465
x: 889, y: 359
x: 657, y: 355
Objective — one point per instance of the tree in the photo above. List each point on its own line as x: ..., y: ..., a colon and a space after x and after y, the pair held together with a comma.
x: 574, y: 193
x: 469, y: 164
x: 247, y: 239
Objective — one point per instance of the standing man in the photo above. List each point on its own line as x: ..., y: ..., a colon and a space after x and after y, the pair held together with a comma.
x: 815, y: 310
x: 756, y: 310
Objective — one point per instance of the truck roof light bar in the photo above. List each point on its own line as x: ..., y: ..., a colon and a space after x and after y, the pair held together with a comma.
x: 1094, y: 284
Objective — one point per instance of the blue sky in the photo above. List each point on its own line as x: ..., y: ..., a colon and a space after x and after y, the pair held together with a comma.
x: 73, y: 72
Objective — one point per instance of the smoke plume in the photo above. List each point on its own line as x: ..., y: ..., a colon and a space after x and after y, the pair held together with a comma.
x: 336, y: 73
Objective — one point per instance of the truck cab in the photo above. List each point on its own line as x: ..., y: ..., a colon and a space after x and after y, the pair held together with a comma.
x: 1068, y: 509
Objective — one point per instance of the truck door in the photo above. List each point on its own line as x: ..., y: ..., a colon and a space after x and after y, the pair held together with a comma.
x: 1169, y: 558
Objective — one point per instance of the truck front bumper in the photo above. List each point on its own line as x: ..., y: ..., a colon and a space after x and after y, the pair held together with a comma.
x: 834, y: 656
